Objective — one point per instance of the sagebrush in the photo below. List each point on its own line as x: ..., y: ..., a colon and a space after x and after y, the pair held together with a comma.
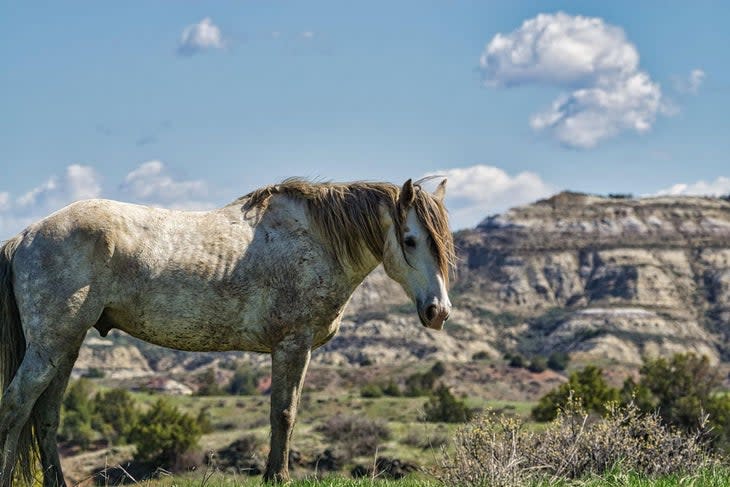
x: 497, y: 450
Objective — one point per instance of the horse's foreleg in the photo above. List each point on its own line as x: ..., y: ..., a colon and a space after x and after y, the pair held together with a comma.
x: 47, y: 414
x: 289, y: 362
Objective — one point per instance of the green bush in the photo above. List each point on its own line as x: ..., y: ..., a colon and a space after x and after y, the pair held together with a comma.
x: 78, y: 415
x: 94, y: 373
x: 117, y: 409
x: 481, y: 355
x: 371, y: 390
x: 682, y: 390
x: 244, y: 382
x: 422, y: 384
x: 586, y: 387
x: 537, y: 364
x: 443, y: 407
x: 516, y: 360
x: 558, y: 361
x: 163, y: 434
x: 209, y: 384
x: 391, y: 389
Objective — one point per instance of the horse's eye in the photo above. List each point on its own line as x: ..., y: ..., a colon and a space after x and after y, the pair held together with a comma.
x: 409, y: 242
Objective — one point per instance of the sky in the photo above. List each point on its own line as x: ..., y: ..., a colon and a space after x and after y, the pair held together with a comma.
x: 189, y: 105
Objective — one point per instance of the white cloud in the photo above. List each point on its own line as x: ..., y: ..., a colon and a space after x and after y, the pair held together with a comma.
x: 606, y: 93
x: 475, y: 192
x: 718, y: 187
x: 151, y: 183
x: 78, y: 182
x: 200, y: 37
x: 690, y: 84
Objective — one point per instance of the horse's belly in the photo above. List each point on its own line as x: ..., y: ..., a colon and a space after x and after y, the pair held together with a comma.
x: 191, y: 328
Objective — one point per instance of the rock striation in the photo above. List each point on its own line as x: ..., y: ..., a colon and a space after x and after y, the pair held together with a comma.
x: 604, y: 278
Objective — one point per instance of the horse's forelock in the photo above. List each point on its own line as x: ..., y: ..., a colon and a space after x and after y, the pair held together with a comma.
x: 433, y: 217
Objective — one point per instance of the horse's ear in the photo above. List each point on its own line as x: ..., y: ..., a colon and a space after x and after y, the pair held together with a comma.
x: 440, y: 191
x: 407, y: 194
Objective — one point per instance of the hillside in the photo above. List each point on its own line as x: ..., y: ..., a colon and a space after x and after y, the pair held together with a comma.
x: 608, y: 280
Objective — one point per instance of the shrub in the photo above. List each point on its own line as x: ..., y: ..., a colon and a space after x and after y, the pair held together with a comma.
x: 94, y: 373
x: 537, y: 364
x: 443, y: 407
x: 116, y: 408
x: 516, y: 360
x: 495, y: 450
x: 204, y: 420
x: 356, y: 435
x: 391, y: 389
x: 422, y: 384
x: 244, y: 382
x: 586, y: 387
x: 480, y: 355
x: 681, y: 390
x: 558, y: 361
x: 163, y: 434
x: 78, y: 415
x: 209, y: 384
x: 371, y: 390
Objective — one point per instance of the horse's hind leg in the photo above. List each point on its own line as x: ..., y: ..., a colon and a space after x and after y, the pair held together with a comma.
x: 32, y: 378
x: 47, y: 413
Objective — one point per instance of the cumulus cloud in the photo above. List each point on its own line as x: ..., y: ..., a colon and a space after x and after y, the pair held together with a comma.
x: 691, y: 83
x: 204, y: 35
x: 605, y: 91
x: 149, y: 183
x: 152, y: 183
x: 718, y: 187
x: 78, y: 182
x: 475, y: 192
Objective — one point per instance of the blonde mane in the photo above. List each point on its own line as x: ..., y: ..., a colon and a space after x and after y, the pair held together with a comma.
x: 347, y: 215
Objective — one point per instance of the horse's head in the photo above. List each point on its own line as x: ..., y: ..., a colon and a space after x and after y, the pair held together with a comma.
x: 419, y: 250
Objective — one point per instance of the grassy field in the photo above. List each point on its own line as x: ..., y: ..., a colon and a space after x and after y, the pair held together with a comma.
x: 234, y: 416
x: 719, y: 477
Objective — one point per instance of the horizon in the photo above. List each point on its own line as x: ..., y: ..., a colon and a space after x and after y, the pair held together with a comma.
x: 194, y: 105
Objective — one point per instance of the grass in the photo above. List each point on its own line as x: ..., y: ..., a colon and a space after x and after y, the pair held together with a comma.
x: 708, y: 477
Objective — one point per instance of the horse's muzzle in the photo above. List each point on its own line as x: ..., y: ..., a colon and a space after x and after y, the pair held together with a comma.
x: 434, y: 316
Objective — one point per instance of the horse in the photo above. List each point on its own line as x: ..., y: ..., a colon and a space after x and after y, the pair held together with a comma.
x: 270, y: 272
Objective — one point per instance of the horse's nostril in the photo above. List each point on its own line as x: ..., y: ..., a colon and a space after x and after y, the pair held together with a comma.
x: 431, y: 312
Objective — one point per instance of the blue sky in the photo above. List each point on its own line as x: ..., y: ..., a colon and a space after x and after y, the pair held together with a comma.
x: 191, y: 104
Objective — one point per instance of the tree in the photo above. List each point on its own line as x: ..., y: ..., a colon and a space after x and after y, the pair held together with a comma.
x: 586, y: 386
x: 558, y: 361
x: 209, y: 384
x: 117, y: 409
x: 537, y: 364
x: 443, y: 407
x: 682, y: 390
x: 244, y: 382
x: 78, y: 414
x: 163, y: 434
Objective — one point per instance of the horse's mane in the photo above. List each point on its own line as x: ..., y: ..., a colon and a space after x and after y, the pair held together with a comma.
x: 347, y: 214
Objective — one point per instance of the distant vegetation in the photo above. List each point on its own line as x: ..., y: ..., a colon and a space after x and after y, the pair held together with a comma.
x: 669, y: 421
x: 680, y: 390
x: 161, y: 434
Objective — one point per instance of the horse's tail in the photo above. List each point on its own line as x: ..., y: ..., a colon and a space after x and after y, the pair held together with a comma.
x: 12, y: 350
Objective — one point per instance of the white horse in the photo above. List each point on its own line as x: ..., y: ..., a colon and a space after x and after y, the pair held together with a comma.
x: 271, y: 272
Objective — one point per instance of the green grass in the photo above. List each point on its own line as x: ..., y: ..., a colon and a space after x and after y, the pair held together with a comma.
x: 709, y: 477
